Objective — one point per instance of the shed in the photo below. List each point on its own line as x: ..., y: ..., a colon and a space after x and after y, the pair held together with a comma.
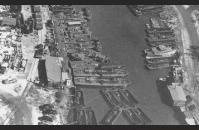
x: 177, y: 94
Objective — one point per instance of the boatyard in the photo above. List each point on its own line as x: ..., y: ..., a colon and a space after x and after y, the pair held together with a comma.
x: 93, y: 65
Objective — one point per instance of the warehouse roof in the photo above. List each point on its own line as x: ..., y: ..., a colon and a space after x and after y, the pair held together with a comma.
x: 53, y: 69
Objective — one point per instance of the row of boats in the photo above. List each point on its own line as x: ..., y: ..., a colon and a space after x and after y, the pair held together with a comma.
x: 139, y: 10
x: 77, y: 112
x: 81, y: 115
x: 163, y: 51
x: 123, y: 102
x: 90, y: 68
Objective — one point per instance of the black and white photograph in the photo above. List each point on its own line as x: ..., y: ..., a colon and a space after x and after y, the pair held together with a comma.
x: 99, y: 64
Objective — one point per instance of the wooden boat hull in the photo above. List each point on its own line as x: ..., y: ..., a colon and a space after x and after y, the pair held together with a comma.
x: 161, y: 66
x: 99, y: 73
x: 159, y: 61
x: 161, y: 40
x: 136, y: 116
x: 128, y: 97
x: 169, y: 44
x: 102, y: 85
x: 111, y: 116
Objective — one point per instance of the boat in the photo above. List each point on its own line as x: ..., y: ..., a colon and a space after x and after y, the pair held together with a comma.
x: 132, y: 117
x: 78, y: 55
x: 159, y: 60
x: 79, y: 98
x: 109, y: 98
x: 86, y: 45
x: 149, y: 7
x: 160, y: 52
x: 161, y: 36
x: 81, y: 117
x: 86, y: 116
x: 156, y: 44
x: 111, y: 67
x: 136, y: 116
x: 90, y: 117
x: 120, y: 98
x: 128, y: 98
x: 152, y: 11
x: 71, y: 117
x: 114, y: 98
x: 111, y: 116
x: 94, y: 72
x: 161, y: 39
x: 84, y: 64
x: 158, y: 66
x: 97, y: 56
x: 143, y: 116
x: 152, y: 30
x: 101, y: 82
x: 87, y: 13
x: 133, y: 8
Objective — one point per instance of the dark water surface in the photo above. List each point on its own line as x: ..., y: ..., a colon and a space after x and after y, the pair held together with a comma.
x: 122, y: 35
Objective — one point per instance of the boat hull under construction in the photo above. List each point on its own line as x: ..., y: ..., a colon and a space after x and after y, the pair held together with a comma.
x: 111, y: 116
x: 136, y: 116
x: 99, y: 73
x: 170, y: 44
x: 101, y: 82
x: 119, y: 98
x: 158, y: 66
x: 159, y: 60
x: 86, y: 117
x: 151, y: 54
x: 84, y: 64
x: 161, y: 36
x: 155, y: 31
x: 161, y: 40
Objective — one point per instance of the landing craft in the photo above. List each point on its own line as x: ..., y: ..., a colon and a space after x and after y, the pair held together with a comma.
x: 167, y: 44
x: 158, y: 66
x: 161, y: 39
x: 159, y: 60
x: 136, y: 116
x: 161, y: 36
x: 101, y: 82
x: 111, y: 116
x: 84, y: 64
x: 152, y: 31
x: 136, y: 11
x: 160, y: 52
x: 94, y: 72
x: 110, y: 67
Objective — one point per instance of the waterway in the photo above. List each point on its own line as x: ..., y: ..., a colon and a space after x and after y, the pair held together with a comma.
x: 123, y: 38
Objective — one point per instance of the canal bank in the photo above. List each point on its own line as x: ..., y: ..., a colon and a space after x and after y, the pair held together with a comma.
x: 122, y: 35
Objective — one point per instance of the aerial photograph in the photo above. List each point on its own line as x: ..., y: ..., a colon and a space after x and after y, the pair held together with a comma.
x: 99, y: 64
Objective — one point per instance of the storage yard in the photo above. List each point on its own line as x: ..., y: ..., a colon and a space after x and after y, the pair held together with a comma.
x: 92, y: 65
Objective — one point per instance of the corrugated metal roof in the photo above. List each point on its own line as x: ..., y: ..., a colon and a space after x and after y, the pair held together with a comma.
x: 177, y: 92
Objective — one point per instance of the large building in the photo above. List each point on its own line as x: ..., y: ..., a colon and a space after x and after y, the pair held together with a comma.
x: 8, y: 21
x: 50, y: 71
